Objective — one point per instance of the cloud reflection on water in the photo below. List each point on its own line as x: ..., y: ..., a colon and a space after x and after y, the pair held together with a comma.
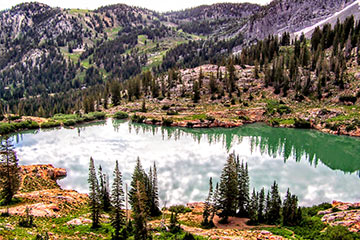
x: 186, y: 158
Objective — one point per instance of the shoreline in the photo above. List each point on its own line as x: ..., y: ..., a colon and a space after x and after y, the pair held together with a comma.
x: 198, y: 124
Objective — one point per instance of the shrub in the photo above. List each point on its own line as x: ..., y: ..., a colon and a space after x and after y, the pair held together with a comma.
x: 13, y: 117
x: 121, y: 115
x: 210, y: 118
x: 97, y: 115
x: 338, y: 233
x: 6, y: 128
x: 302, y: 123
x: 69, y: 123
x: 137, y: 118
x: 165, y: 107
x: 350, y: 127
x: 167, y: 122
x: 89, y: 118
x: 172, y: 112
x: 50, y: 124
x: 348, y: 98
x: 179, y: 209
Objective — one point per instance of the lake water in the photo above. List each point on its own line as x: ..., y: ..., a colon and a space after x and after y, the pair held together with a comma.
x: 315, y: 166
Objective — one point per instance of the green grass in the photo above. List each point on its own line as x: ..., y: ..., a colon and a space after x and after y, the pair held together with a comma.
x: 6, y: 128
x: 280, y: 231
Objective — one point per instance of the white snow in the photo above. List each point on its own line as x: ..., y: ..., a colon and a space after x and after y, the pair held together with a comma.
x: 308, y: 29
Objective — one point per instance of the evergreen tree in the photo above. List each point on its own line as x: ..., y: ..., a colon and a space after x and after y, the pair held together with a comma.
x: 208, y: 208
x: 213, y: 84
x: 214, y: 203
x: 290, y: 210
x: 94, y: 195
x: 228, y: 189
x: 139, y: 175
x: 118, y: 220
x: 274, y: 216
x: 104, y: 191
x: 253, y: 208
x: 232, y: 77
x: 115, y: 93
x: 267, y: 207
x: 243, y: 186
x: 140, y: 211
x: 9, y: 171
x: 261, y: 208
x: 201, y: 77
x: 196, y: 92
x: 155, y: 211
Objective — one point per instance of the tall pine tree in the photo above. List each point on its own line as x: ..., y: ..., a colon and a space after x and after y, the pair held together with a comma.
x: 228, y: 189
x: 118, y: 220
x: 94, y: 195
x: 9, y: 171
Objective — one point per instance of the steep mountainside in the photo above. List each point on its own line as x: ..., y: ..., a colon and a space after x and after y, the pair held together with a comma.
x: 290, y: 16
x: 50, y: 55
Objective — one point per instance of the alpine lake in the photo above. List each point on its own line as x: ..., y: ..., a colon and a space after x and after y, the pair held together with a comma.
x: 317, y: 167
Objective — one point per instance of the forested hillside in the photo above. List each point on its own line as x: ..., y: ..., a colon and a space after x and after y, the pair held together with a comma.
x: 56, y: 60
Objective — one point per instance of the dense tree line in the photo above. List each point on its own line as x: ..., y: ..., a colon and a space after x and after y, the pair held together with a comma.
x: 143, y: 198
x: 232, y: 198
x: 290, y: 65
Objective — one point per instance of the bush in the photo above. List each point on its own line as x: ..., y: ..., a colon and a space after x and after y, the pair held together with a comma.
x: 348, y: 98
x: 172, y: 112
x: 69, y: 123
x: 338, y: 233
x: 50, y: 124
x: 13, y: 117
x: 210, y: 118
x: 121, y: 115
x: 165, y: 107
x: 137, y: 118
x: 302, y: 123
x: 97, y: 115
x: 179, y: 209
x: 313, y: 211
x: 6, y: 128
x: 89, y: 118
x: 167, y: 122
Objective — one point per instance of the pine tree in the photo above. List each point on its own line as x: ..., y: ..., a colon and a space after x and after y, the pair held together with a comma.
x: 232, y: 77
x: 140, y: 211
x: 228, y: 189
x: 213, y: 84
x: 94, y: 195
x: 155, y: 211
x: 118, y: 220
x: 138, y: 176
x: 243, y: 186
x: 104, y: 191
x: 253, y: 208
x: 275, y: 207
x: 9, y: 171
x: 261, y: 208
x: 215, y: 203
x: 208, y: 208
x: 290, y: 210
x: 196, y: 92
x: 267, y: 207
x: 201, y: 77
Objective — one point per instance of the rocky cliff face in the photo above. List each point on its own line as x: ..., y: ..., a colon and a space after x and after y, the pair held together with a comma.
x: 290, y: 16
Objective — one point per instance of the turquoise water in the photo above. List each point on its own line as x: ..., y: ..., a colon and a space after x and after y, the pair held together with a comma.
x: 315, y: 166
